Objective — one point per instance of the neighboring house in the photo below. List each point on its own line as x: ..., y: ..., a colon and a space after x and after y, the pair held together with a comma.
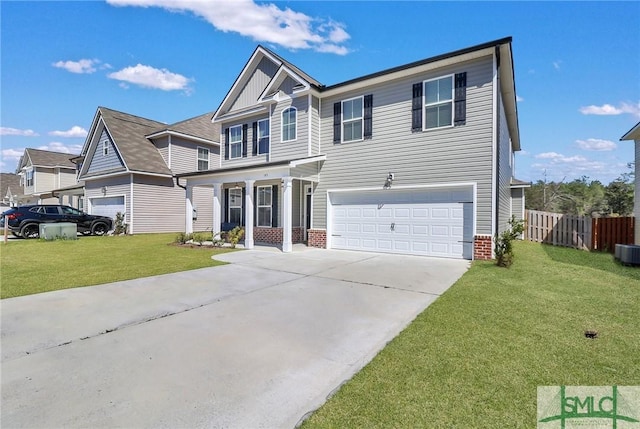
x: 10, y: 188
x: 417, y: 159
x: 128, y: 165
x: 43, y: 171
x: 634, y: 134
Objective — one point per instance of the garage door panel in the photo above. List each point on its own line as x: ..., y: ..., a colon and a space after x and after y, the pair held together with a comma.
x: 107, y: 206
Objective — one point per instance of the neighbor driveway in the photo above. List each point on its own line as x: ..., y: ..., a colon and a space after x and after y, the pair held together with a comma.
x: 257, y: 343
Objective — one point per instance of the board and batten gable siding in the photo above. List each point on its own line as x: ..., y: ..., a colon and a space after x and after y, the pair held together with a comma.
x: 292, y: 149
x: 505, y: 171
x: 256, y: 83
x: 184, y: 155
x: 446, y: 155
x: 158, y: 205
x: 99, y: 162
x: 116, y: 186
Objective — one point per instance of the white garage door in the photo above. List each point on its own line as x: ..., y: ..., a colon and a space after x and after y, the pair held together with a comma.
x: 107, y: 206
x: 429, y: 223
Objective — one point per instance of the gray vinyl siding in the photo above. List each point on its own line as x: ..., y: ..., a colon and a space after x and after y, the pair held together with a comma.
x: 517, y: 203
x: 162, y: 144
x: 203, y: 201
x: 315, y: 125
x: 184, y: 155
x: 298, y: 148
x: 296, y: 204
x: 158, y: 205
x: 116, y: 186
x: 100, y: 163
x: 447, y: 155
x: 256, y: 83
x: 65, y: 177
x: 504, y: 170
x: 44, y: 179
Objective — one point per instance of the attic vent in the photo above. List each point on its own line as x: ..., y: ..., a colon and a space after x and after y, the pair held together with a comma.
x: 300, y: 86
x: 628, y: 254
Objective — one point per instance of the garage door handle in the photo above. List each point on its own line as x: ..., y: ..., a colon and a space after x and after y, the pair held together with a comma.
x: 393, y: 226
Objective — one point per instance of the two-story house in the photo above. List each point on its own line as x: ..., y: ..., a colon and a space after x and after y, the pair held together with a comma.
x: 10, y: 188
x: 417, y: 159
x: 634, y: 135
x: 43, y: 171
x: 128, y: 165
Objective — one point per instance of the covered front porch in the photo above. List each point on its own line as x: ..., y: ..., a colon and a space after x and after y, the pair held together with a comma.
x: 273, y: 202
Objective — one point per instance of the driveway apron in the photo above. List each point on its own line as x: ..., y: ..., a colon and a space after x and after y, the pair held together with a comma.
x: 257, y: 343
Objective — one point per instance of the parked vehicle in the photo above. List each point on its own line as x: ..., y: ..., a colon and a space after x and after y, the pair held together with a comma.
x: 25, y: 221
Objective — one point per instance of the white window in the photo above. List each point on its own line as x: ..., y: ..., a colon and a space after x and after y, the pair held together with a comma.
x: 29, y: 178
x: 235, y: 206
x: 105, y: 148
x: 289, y: 120
x: 203, y: 158
x: 235, y: 142
x: 263, y: 136
x: 352, y: 119
x: 264, y: 205
x: 438, y: 102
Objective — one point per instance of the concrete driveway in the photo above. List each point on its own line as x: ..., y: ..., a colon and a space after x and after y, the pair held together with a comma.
x: 258, y: 343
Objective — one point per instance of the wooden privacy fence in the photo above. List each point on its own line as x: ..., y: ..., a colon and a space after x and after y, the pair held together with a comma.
x: 580, y: 232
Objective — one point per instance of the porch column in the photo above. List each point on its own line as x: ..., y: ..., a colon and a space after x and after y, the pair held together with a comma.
x: 188, y: 214
x: 248, y: 214
x: 217, y: 218
x: 287, y: 213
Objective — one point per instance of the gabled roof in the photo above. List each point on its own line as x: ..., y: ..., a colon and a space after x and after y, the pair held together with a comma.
x: 9, y: 182
x: 128, y: 133
x: 197, y: 128
x: 633, y: 133
x: 45, y: 158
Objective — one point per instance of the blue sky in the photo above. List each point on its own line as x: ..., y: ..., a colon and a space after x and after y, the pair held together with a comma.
x: 577, y: 64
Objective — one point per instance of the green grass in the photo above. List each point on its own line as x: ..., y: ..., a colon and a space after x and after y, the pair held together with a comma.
x: 34, y: 266
x: 475, y: 357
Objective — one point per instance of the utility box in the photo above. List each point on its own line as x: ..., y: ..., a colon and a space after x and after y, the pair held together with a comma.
x: 60, y: 230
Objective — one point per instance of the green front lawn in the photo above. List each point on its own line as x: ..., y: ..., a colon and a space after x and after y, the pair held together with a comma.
x: 34, y: 266
x: 475, y: 357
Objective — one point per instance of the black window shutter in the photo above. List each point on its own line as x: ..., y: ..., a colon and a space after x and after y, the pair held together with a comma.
x: 274, y: 206
x: 460, y: 103
x: 337, y: 119
x: 226, y: 143
x: 226, y: 205
x: 416, y: 108
x: 255, y: 206
x: 245, y: 128
x: 255, y: 138
x: 242, y: 216
x: 368, y: 116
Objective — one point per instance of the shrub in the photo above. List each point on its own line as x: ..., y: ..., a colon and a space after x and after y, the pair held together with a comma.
x: 235, y: 235
x: 200, y: 237
x: 182, y: 238
x: 120, y: 227
x: 504, y: 246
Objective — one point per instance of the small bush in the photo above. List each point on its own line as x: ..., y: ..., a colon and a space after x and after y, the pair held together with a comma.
x: 120, y: 227
x: 182, y: 238
x: 200, y: 237
x: 504, y: 246
x: 235, y: 235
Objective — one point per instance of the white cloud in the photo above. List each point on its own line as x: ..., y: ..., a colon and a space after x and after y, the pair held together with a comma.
x: 72, y: 149
x: 556, y: 64
x: 596, y: 145
x: 519, y: 99
x: 608, y: 109
x: 150, y: 77
x: 82, y: 66
x: 5, y: 131
x: 559, y: 166
x: 74, y: 131
x: 264, y: 22
x: 12, y: 155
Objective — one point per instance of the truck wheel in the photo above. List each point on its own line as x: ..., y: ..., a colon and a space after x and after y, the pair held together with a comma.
x: 99, y: 228
x: 31, y: 230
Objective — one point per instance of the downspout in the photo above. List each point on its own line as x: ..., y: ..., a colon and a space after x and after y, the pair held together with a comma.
x: 496, y: 136
x: 178, y: 183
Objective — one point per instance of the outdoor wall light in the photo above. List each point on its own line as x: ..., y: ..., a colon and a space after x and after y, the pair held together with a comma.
x: 389, y: 181
x: 104, y: 190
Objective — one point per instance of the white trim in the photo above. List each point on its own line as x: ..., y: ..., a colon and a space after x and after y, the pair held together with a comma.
x: 131, y: 202
x: 407, y: 187
x: 124, y: 173
x: 259, y: 206
x: 319, y: 125
x: 241, y: 142
x: 258, y: 136
x: 282, y: 140
x: 198, y: 158
x: 242, y: 114
x: 342, y: 121
x: 424, y: 102
x: 275, y: 80
x: 494, y: 147
x: 169, y: 151
x: 297, y: 162
x: 105, y: 148
x: 306, y: 210
x: 309, y: 115
x: 270, y: 131
x: 185, y: 136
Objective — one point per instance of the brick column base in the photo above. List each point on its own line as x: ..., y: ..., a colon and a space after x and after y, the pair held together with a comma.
x: 482, y: 247
x: 317, y: 238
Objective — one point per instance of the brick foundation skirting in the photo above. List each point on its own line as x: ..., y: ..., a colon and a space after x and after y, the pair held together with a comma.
x: 482, y: 247
x: 317, y: 238
x: 274, y: 235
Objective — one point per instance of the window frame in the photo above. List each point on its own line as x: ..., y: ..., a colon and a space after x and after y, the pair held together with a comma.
x: 237, y: 193
x: 343, y: 122
x: 237, y: 143
x: 426, y: 105
x: 264, y: 206
x: 105, y: 148
x: 29, y: 178
x: 199, y: 160
x: 295, y: 124
x: 267, y: 137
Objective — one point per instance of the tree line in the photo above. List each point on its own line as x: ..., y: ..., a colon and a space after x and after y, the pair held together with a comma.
x: 583, y: 196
